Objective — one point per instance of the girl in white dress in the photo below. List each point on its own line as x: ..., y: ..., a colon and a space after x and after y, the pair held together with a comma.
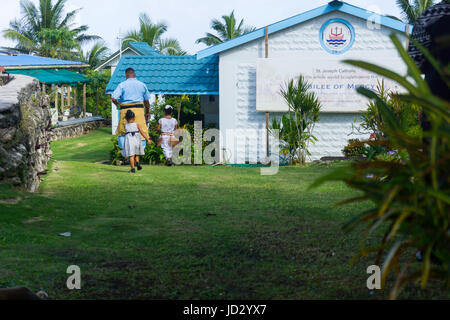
x: 167, y: 126
x: 132, y: 147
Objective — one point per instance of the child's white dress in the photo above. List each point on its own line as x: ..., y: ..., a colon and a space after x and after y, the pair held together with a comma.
x: 132, y: 145
x: 167, y: 130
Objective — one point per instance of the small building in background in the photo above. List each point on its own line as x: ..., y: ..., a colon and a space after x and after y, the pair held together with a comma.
x: 249, y: 71
x: 132, y: 49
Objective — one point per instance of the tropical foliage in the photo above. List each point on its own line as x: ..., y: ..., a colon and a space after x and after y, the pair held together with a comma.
x: 226, y: 29
x: 354, y: 149
x: 45, y: 29
x: 407, y: 115
x: 57, y: 43
x: 411, y: 193
x: 412, y: 10
x: 95, y: 56
x: 153, y: 153
x: 97, y: 102
x: 367, y: 149
x: 296, y: 127
x: 186, y: 107
x: 152, y: 33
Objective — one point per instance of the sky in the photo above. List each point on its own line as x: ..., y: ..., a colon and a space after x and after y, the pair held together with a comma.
x: 187, y: 20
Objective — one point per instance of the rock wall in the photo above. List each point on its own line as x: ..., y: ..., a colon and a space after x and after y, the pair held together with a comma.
x: 25, y: 133
x: 77, y: 130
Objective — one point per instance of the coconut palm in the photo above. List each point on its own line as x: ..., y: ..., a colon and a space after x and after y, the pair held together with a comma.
x: 152, y: 33
x: 412, y: 10
x: 57, y: 43
x: 96, y: 55
x: 226, y: 29
x: 46, y: 15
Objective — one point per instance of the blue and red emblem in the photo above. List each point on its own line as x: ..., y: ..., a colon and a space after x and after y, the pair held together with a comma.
x: 337, y: 36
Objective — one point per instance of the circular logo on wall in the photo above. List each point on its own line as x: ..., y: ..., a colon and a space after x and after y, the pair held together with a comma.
x: 337, y: 36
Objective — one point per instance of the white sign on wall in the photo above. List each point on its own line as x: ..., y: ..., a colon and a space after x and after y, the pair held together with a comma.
x: 334, y: 83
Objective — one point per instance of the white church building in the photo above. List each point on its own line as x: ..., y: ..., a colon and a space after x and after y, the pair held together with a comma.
x: 251, y: 69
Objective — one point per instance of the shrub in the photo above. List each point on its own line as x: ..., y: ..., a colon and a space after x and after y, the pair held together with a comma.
x: 406, y: 113
x: 410, y: 194
x: 354, y: 149
x: 153, y: 153
x: 367, y: 149
x: 295, y: 128
x: 115, y: 154
x: 190, y: 128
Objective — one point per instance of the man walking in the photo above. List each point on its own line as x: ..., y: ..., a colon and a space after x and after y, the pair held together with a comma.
x: 133, y: 95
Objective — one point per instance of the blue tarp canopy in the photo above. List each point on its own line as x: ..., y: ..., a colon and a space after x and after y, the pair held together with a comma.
x: 51, y: 76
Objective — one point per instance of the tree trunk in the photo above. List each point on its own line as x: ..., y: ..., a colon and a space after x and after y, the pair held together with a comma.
x: 96, y: 102
x: 179, y: 113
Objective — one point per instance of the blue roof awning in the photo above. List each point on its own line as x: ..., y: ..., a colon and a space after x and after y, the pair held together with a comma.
x: 25, y: 61
x: 171, y: 74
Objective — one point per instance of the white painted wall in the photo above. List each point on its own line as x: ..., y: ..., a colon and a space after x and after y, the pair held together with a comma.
x: 238, y: 84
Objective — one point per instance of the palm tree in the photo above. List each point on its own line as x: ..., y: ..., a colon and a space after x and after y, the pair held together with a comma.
x: 152, y: 34
x: 412, y: 10
x: 226, y: 30
x: 95, y: 56
x: 45, y: 16
x: 57, y: 43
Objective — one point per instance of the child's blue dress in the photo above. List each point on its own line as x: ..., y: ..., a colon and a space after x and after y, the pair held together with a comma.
x: 132, y: 145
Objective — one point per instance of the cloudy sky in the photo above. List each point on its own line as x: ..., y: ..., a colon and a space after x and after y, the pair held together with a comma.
x: 187, y: 20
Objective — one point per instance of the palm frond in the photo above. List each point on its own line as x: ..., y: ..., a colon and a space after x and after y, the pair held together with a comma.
x: 170, y: 47
x: 412, y: 10
x: 67, y: 21
x: 210, y: 39
x: 24, y: 43
x: 226, y: 29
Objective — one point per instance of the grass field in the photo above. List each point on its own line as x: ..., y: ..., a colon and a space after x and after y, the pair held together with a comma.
x: 181, y: 232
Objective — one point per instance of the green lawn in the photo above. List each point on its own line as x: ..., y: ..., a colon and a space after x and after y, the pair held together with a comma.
x: 181, y: 233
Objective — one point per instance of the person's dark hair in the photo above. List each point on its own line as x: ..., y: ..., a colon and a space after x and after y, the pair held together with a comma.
x: 129, y: 115
x: 168, y: 110
x: 129, y: 70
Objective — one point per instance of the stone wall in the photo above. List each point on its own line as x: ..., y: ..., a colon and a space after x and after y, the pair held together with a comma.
x: 77, y: 130
x: 25, y: 133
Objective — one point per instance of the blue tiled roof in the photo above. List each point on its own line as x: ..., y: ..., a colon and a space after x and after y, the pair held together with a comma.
x: 144, y: 48
x: 25, y: 60
x: 171, y: 74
